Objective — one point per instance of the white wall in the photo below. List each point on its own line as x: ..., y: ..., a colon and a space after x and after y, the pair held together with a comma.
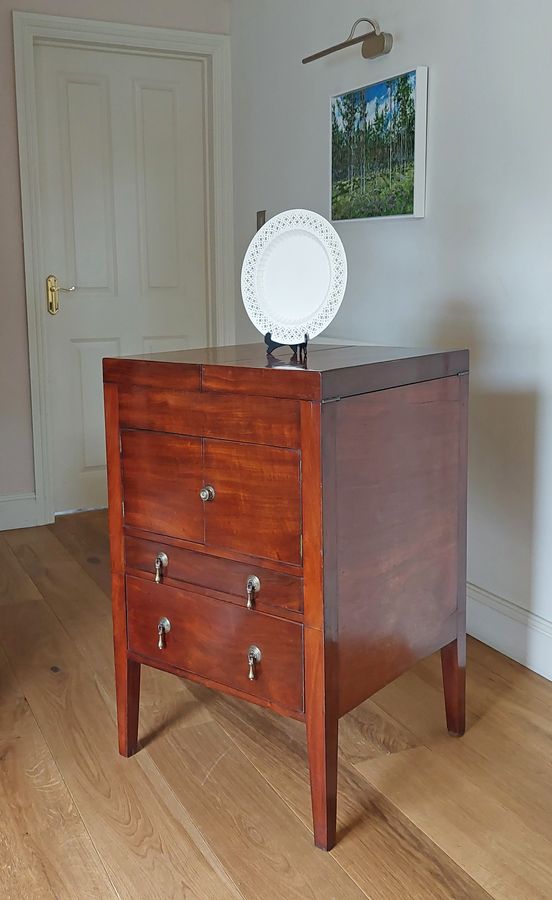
x: 16, y: 452
x: 476, y: 272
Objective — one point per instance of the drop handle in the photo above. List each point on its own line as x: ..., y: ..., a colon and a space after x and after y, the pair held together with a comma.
x: 161, y: 562
x: 207, y: 493
x: 254, y: 656
x: 253, y: 587
x: 163, y: 627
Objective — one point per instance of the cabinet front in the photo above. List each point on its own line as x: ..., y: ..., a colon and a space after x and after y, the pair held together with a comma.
x: 255, y: 502
x: 238, y: 497
x: 162, y: 476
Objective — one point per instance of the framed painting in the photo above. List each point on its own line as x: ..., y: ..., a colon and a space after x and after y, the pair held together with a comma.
x: 378, y: 149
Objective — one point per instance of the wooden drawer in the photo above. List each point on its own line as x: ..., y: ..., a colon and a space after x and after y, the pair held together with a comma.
x: 216, y: 574
x: 227, y: 416
x: 211, y: 639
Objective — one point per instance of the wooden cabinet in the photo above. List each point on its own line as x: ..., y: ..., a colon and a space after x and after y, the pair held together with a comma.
x: 291, y: 534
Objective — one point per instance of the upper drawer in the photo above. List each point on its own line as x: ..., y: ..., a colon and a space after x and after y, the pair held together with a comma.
x: 225, y: 576
x: 252, y: 419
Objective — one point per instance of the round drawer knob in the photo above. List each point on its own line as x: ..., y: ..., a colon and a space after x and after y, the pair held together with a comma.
x: 207, y: 493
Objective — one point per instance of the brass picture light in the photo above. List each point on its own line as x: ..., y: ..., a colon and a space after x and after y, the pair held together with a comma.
x: 374, y: 43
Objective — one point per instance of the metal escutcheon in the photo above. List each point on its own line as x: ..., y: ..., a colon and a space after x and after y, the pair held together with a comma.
x: 254, y: 656
x: 207, y: 493
x: 253, y: 587
x: 163, y: 627
x: 161, y: 562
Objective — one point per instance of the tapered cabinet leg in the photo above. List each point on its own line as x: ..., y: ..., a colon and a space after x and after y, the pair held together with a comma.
x: 322, y: 753
x: 322, y: 731
x: 453, y: 662
x: 127, y: 674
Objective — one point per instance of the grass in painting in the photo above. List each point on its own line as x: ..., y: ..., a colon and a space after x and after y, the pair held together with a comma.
x: 373, y: 132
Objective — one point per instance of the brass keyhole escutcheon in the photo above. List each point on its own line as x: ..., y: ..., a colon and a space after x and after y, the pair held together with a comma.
x: 254, y: 656
x: 163, y: 627
x: 253, y: 587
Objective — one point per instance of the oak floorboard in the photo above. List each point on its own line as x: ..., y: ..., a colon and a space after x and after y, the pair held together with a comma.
x: 495, y: 755
x: 45, y: 850
x: 263, y: 846
x: 218, y: 795
x: 378, y: 846
x: 86, y: 538
x: 142, y: 844
x: 481, y: 797
x: 484, y: 838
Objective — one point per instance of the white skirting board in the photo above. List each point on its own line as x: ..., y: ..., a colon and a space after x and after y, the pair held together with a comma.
x: 514, y: 631
x: 18, y: 511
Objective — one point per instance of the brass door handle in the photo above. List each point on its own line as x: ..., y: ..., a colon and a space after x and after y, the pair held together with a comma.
x: 53, y: 291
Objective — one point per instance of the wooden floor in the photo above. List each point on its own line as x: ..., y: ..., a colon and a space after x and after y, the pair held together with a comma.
x: 216, y: 804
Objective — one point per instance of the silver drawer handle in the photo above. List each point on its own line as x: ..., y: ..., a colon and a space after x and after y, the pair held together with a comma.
x: 254, y: 656
x: 253, y: 587
x: 161, y: 562
x: 163, y: 627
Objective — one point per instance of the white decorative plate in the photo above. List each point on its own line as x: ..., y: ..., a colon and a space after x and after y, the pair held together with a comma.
x: 294, y: 276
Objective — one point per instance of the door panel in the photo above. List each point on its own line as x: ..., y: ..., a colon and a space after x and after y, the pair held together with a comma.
x: 257, y: 504
x: 124, y: 197
x: 161, y: 484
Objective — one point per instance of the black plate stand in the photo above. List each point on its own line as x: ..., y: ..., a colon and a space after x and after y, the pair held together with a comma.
x: 299, y: 350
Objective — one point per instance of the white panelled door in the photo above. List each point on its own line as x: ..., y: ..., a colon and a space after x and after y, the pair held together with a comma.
x: 124, y: 215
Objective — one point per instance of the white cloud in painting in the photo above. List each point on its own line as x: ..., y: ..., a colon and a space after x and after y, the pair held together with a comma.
x: 383, y: 104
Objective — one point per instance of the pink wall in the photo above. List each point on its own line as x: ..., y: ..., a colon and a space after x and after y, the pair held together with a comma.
x: 16, y: 452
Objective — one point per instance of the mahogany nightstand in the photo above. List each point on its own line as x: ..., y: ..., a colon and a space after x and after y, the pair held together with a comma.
x: 294, y: 535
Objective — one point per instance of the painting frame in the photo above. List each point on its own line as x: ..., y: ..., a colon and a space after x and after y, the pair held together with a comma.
x: 419, y: 154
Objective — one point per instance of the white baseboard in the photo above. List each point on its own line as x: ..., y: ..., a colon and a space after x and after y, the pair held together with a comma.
x: 18, y: 511
x: 517, y: 633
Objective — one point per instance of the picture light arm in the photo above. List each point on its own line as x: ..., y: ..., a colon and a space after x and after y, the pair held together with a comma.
x: 374, y: 43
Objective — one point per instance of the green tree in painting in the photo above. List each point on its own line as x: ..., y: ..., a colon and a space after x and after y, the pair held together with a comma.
x: 373, y: 133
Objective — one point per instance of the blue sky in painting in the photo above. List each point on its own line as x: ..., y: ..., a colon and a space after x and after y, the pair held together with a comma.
x: 374, y: 94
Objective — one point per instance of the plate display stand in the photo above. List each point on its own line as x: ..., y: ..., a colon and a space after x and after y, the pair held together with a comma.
x: 299, y: 350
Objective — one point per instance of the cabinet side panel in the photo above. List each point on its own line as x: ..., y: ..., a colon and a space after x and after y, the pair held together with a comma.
x: 398, y: 513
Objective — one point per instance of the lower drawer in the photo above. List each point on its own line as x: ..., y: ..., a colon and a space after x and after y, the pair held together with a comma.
x: 211, y: 638
x: 215, y: 573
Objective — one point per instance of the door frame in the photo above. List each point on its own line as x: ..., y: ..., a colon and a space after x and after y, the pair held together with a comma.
x: 31, y: 29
